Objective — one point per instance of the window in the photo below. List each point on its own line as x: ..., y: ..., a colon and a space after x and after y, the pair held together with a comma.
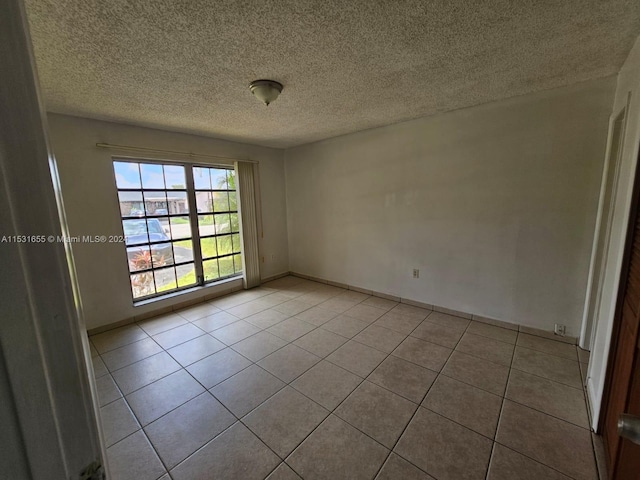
x: 180, y: 224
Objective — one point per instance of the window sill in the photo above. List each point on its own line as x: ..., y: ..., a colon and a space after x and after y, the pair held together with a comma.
x: 180, y: 293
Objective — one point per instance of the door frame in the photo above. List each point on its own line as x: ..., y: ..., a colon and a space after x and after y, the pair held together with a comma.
x: 620, y: 294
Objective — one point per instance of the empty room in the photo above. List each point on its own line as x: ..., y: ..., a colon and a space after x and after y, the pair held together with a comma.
x: 294, y: 239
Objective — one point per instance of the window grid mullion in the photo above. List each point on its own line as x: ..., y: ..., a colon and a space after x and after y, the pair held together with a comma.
x: 195, y: 231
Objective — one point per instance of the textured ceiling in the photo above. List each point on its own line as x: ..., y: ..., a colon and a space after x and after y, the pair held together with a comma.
x: 346, y: 65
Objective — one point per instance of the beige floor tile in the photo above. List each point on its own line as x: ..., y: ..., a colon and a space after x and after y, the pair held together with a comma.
x: 379, y: 413
x: 274, y: 299
x: 397, y: 468
x: 293, y: 307
x: 554, y: 368
x: 215, y: 321
x: 259, y: 345
x: 123, y: 356
x: 118, y: 422
x: 556, y: 399
x: 107, y: 390
x: 411, y: 311
x: 283, y: 472
x: 283, y: 421
x: 382, y: 303
x: 469, y: 406
x: 99, y: 368
x: 92, y: 349
x: 548, y: 440
x: 193, y: 350
x: 151, y: 402
x: 491, y: 331
x: 357, y: 358
x: 197, y: 312
x: 218, y: 367
x: 266, y: 318
x: 583, y: 356
x: 249, y: 308
x: 380, y: 338
x: 397, y: 322
x: 246, y: 390
x: 404, y: 378
x: 291, y: 329
x: 317, y: 316
x: 320, y: 342
x: 549, y: 346
x: 423, y: 353
x: 289, y: 362
x: 438, y: 334
x: 475, y: 371
x: 118, y: 337
x: 345, y: 326
x: 337, y: 450
x: 236, y: 453
x: 338, y: 305
x: 509, y: 465
x: 181, y: 432
x: 443, y: 448
x: 160, y: 324
x: 486, y: 348
x: 327, y: 384
x: 134, y: 457
x: 450, y: 321
x: 178, y: 335
x: 366, y: 313
x: 235, y: 332
x: 144, y: 372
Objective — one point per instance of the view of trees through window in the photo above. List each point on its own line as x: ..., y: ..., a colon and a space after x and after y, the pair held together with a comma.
x: 180, y: 224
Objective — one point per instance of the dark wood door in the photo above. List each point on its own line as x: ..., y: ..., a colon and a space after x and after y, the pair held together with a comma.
x: 622, y: 392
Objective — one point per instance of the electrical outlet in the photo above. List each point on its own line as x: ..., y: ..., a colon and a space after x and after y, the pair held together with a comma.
x: 416, y: 273
x: 560, y: 330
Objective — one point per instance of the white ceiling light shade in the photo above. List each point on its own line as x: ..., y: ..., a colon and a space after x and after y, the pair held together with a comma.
x: 266, y: 90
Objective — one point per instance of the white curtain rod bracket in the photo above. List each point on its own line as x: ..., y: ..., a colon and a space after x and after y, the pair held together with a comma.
x: 170, y: 152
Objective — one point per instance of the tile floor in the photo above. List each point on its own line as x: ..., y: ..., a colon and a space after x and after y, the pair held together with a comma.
x: 298, y: 379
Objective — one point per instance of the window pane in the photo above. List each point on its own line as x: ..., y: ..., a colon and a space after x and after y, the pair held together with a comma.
x: 226, y: 266
x: 177, y: 203
x: 224, y: 245
x: 152, y: 176
x: 180, y: 227
x: 127, y: 174
x: 235, y: 226
x: 183, y: 251
x: 139, y: 258
x: 233, y: 201
x: 223, y: 223
x: 205, y: 225
x: 210, y: 268
x: 165, y: 279
x: 235, y: 239
x: 201, y: 178
x: 237, y: 263
x: 131, y: 204
x: 220, y: 201
x: 135, y: 231
x: 218, y: 179
x: 203, y: 201
x: 231, y: 179
x: 161, y: 255
x: 208, y: 247
x: 155, y: 203
x: 186, y: 275
x: 174, y: 177
x: 142, y: 284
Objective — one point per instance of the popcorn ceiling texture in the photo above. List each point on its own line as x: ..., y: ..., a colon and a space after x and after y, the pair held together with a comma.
x: 185, y: 65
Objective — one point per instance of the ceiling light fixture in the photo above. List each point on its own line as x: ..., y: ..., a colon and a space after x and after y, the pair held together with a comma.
x: 266, y: 90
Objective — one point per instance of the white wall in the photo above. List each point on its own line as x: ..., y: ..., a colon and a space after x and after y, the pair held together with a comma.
x: 495, y: 205
x: 628, y: 81
x: 91, y: 204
